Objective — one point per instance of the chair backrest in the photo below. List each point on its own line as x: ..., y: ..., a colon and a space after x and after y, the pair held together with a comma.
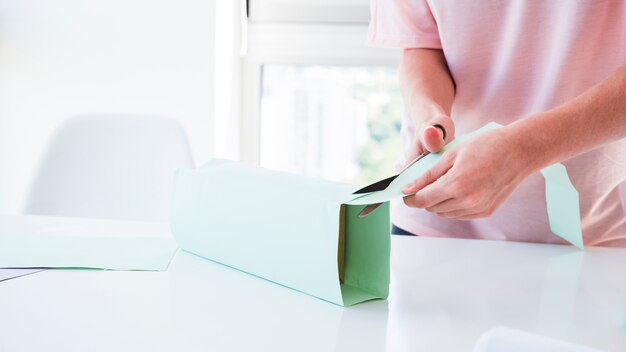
x: 110, y: 166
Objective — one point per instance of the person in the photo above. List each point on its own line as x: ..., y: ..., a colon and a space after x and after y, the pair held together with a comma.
x: 552, y: 72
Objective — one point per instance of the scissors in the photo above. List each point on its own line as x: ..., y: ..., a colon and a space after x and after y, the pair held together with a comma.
x: 383, y: 184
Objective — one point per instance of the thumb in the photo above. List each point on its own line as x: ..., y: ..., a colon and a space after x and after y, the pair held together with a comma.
x: 430, y: 176
x: 437, y: 133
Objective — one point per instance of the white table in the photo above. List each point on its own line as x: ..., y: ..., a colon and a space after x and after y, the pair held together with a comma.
x: 444, y: 294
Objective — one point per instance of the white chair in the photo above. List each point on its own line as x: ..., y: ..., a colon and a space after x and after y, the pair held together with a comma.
x: 110, y: 166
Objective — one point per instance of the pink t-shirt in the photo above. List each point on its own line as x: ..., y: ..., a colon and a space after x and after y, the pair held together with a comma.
x: 509, y: 60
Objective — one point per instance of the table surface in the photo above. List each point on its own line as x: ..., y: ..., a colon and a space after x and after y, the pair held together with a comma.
x: 444, y: 294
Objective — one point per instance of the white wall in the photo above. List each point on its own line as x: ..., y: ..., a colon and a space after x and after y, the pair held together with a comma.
x: 64, y: 57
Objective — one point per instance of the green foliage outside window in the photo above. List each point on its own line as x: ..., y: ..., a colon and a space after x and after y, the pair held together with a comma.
x: 380, y: 91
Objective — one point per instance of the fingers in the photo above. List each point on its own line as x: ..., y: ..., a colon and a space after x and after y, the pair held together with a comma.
x: 469, y: 213
x: 432, y: 138
x: 426, y: 198
x: 451, y: 208
x: 432, y: 194
x: 448, y: 205
x: 464, y: 215
x: 431, y: 175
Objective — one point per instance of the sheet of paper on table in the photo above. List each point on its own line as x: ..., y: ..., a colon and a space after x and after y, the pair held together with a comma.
x: 7, y: 274
x: 28, y: 241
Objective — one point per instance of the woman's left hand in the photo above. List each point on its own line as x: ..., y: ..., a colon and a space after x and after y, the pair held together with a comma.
x: 473, y: 179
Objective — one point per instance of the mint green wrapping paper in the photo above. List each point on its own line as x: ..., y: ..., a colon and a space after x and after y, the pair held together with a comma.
x: 283, y: 228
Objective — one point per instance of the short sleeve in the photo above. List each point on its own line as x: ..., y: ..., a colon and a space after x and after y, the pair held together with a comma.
x: 402, y: 24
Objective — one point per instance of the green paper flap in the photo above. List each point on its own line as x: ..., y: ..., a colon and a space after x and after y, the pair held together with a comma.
x: 563, y: 205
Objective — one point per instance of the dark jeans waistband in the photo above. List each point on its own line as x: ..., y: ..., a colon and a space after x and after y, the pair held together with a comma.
x: 395, y: 230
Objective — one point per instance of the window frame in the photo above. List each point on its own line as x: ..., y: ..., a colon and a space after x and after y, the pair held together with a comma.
x: 309, y: 11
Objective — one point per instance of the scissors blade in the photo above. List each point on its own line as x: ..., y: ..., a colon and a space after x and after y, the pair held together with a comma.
x: 376, y: 186
x: 419, y: 157
x: 382, y: 184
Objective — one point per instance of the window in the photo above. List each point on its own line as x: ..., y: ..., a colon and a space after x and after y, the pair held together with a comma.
x: 315, y: 99
x: 335, y: 122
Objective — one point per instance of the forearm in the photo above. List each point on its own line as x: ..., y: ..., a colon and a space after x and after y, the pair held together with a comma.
x: 595, y: 117
x: 426, y: 84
